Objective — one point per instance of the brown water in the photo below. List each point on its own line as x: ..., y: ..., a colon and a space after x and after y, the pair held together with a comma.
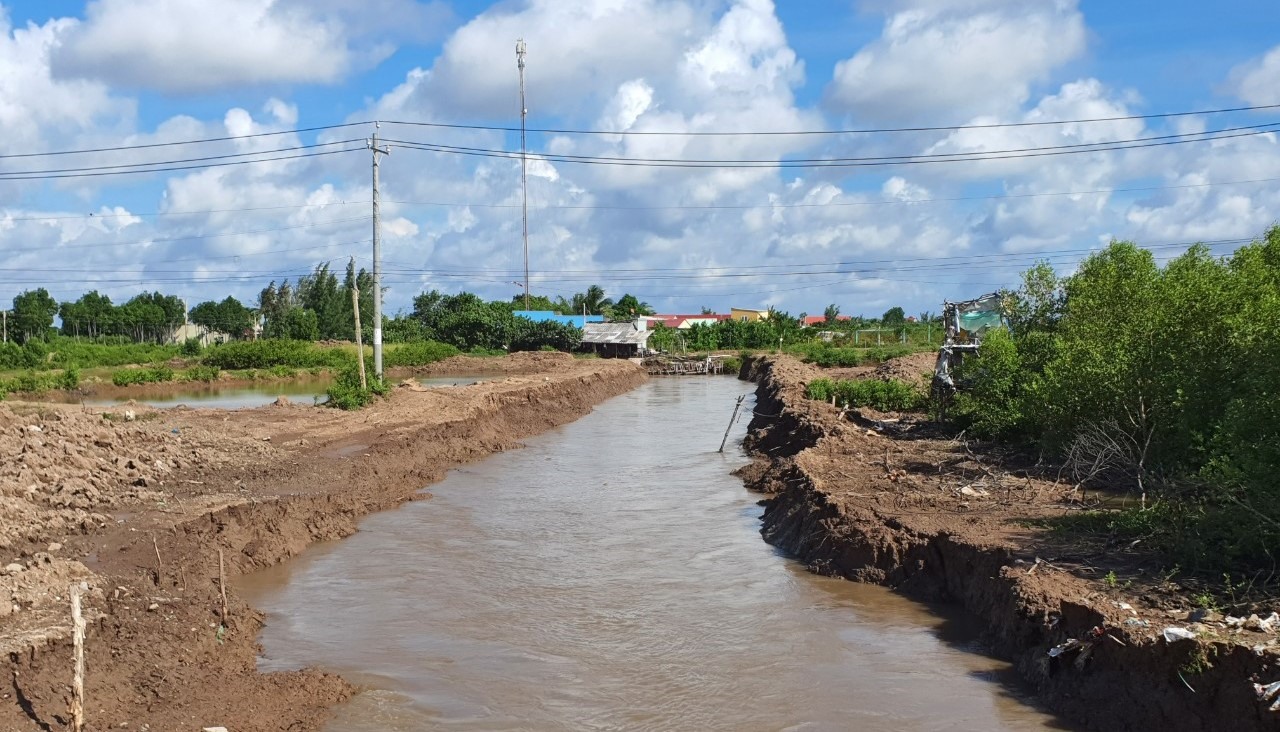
x: 611, y: 576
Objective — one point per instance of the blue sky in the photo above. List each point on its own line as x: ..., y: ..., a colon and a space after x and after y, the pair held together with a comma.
x: 112, y: 73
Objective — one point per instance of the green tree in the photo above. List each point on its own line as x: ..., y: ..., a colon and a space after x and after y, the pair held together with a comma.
x: 629, y: 307
x: 894, y: 317
x: 228, y: 316
x: 832, y: 313
x: 593, y: 300
x: 33, y: 313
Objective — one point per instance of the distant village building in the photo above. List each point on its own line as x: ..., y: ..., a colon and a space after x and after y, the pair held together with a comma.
x: 812, y: 320
x: 683, y: 322
x: 617, y: 340
x: 746, y: 315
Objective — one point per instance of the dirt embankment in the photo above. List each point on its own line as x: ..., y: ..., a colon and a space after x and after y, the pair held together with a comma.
x: 140, y: 505
x: 891, y: 499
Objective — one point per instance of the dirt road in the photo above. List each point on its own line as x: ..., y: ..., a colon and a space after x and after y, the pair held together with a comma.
x: 892, y: 499
x: 139, y: 502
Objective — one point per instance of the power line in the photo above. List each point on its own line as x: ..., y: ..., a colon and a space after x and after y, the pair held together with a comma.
x: 193, y: 237
x: 834, y: 204
x: 96, y: 215
x: 936, y: 128
x: 99, y: 172
x: 840, y: 162
x: 955, y: 261
x: 176, y: 143
x: 25, y: 174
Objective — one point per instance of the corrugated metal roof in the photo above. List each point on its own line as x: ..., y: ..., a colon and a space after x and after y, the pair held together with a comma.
x: 619, y: 333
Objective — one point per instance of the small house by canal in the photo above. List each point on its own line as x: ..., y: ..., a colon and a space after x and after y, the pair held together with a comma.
x: 616, y: 340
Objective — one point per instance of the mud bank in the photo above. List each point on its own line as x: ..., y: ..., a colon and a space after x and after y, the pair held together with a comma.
x: 873, y: 498
x: 141, y: 510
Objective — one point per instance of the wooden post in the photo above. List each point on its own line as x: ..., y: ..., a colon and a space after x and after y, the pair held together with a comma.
x: 159, y: 564
x: 222, y: 584
x: 732, y: 419
x: 77, y: 642
x: 355, y: 307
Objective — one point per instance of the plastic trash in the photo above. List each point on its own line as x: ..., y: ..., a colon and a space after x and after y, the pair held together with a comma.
x: 1069, y: 644
x: 1136, y: 623
x: 1176, y: 634
x: 1269, y: 692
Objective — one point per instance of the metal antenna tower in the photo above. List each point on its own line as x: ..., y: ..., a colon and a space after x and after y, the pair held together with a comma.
x: 524, y: 171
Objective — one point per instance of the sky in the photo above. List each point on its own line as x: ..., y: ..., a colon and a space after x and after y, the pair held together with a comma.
x: 227, y: 144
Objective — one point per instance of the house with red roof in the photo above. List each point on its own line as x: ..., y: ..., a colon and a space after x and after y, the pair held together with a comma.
x: 811, y: 320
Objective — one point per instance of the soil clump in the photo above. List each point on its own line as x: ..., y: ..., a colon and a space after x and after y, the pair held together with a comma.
x: 139, y: 503
x: 897, y: 500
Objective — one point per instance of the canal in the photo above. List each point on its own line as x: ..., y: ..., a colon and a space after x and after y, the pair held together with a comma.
x: 611, y: 576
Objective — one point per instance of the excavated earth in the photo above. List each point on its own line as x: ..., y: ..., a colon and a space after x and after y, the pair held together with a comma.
x: 142, y: 505
x: 892, y: 499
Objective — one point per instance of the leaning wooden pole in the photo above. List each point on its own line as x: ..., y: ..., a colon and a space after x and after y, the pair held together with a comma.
x: 355, y: 307
x: 733, y: 418
x: 222, y: 585
x: 77, y: 642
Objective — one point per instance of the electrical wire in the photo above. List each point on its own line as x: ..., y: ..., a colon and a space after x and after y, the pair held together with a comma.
x: 178, y: 143
x: 936, y: 128
x: 99, y: 172
x: 193, y: 237
x: 825, y: 163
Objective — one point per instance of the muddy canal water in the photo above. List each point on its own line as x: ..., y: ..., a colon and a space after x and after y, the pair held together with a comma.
x: 611, y: 576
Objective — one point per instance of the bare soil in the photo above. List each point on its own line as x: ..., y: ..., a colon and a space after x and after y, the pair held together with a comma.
x: 140, y: 505
x: 896, y: 500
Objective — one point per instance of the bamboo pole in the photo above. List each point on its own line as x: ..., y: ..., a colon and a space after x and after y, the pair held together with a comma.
x: 732, y: 419
x: 355, y: 307
x: 159, y: 564
x: 222, y: 585
x: 77, y: 641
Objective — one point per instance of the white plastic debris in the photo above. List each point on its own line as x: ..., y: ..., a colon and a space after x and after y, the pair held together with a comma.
x: 1176, y: 634
x: 1269, y: 692
x: 1069, y: 644
x: 1126, y: 606
x: 973, y: 492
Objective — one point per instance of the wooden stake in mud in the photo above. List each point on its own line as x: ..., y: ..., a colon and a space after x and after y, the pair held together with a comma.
x: 77, y: 642
x: 222, y: 586
x: 159, y: 564
x: 732, y: 419
x: 355, y: 307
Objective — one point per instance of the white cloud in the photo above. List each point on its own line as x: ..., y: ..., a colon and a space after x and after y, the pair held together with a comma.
x: 589, y: 47
x: 34, y: 106
x: 186, y: 46
x: 1258, y: 81
x: 949, y: 60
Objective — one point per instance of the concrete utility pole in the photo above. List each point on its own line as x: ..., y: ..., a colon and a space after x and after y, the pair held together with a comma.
x: 377, y: 258
x: 524, y: 170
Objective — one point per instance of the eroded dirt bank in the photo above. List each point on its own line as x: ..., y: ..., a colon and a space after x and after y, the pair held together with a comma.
x: 885, y: 499
x: 139, y: 509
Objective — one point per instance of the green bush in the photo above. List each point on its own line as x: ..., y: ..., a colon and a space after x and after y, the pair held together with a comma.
x: 345, y: 392
x: 152, y: 375
x: 991, y: 402
x: 106, y: 352
x: 886, y: 396
x: 419, y: 353
x: 35, y: 383
x: 202, y: 373
x: 191, y: 348
x: 265, y: 354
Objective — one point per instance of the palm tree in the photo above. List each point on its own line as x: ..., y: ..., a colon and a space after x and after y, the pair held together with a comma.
x: 593, y: 300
